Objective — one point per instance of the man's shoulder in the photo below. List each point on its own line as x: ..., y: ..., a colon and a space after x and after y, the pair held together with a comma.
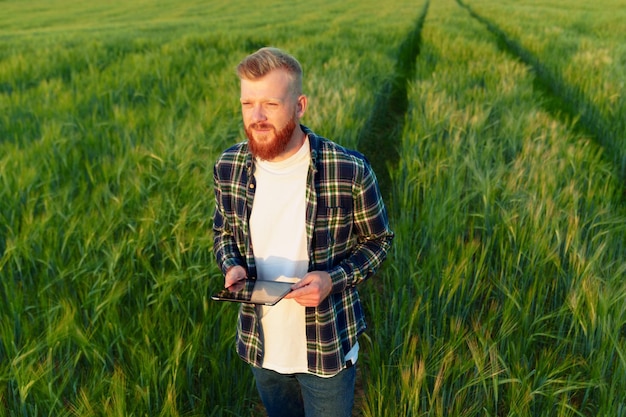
x: 337, y: 152
x: 235, y: 153
x: 328, y: 148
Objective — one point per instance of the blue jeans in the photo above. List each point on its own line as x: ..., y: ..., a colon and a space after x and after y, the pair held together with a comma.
x: 308, y: 395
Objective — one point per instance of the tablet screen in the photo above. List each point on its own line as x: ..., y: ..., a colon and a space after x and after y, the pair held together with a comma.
x: 256, y: 292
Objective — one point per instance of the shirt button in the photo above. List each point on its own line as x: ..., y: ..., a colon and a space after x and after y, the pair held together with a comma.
x: 251, y: 186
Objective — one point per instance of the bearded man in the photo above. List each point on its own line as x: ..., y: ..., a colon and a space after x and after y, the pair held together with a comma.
x: 294, y: 206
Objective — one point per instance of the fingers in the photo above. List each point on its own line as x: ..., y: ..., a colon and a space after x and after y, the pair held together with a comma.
x: 311, y: 290
x: 304, y: 282
x: 237, y: 286
x: 233, y: 276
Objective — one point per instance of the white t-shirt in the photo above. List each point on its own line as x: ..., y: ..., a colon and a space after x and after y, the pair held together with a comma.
x: 279, y: 242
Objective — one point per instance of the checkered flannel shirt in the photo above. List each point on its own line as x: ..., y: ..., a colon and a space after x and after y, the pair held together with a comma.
x: 348, y: 236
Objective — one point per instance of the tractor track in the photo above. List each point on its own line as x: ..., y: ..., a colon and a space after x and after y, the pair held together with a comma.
x: 380, y: 137
x: 566, y: 98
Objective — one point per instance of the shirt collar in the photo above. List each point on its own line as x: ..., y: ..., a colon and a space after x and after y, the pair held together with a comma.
x: 314, y: 143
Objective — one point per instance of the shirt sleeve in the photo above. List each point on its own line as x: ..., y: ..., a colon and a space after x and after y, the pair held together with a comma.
x: 225, y: 247
x: 373, y: 233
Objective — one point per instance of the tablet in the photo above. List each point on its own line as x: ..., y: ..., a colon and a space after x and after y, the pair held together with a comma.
x: 256, y: 291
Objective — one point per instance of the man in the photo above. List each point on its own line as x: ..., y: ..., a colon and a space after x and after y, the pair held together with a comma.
x: 293, y: 206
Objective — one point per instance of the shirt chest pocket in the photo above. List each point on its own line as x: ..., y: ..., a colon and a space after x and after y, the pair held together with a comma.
x: 333, y: 226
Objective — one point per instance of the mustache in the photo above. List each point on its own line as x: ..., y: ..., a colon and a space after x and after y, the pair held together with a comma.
x: 261, y: 125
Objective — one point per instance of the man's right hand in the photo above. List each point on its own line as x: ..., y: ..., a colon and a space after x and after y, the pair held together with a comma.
x: 234, y: 278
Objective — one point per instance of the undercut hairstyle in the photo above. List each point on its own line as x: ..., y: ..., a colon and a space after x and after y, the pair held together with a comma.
x: 268, y: 59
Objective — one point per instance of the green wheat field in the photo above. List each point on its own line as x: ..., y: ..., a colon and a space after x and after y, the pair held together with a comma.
x: 496, y: 128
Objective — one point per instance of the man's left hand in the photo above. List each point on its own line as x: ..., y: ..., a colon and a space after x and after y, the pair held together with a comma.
x: 311, y: 290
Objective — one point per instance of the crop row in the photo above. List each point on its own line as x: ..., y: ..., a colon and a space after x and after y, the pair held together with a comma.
x: 505, y: 295
x: 107, y: 145
x: 503, y: 292
x: 577, y: 54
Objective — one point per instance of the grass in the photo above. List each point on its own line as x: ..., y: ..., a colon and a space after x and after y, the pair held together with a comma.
x: 503, y: 294
x: 506, y: 294
x: 107, y: 140
x: 578, y: 54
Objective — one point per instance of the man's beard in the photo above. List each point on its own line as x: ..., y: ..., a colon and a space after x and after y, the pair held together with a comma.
x: 270, y: 148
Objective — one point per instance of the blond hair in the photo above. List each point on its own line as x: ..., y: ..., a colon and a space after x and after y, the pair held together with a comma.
x: 268, y: 59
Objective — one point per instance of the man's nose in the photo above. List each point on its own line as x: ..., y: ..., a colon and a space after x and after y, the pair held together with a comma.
x: 258, y: 115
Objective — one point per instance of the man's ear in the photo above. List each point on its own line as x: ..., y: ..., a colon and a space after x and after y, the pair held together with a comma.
x: 301, y: 106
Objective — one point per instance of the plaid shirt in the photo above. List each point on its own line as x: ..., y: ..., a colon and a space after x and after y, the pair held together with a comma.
x: 348, y: 236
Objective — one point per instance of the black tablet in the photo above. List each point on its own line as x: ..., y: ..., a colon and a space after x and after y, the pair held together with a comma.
x: 254, y: 291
